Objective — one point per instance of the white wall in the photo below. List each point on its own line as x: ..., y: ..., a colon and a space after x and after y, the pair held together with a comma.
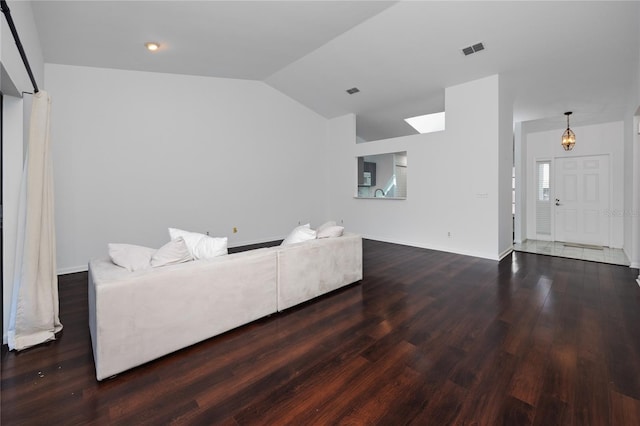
x: 597, y: 139
x: 632, y: 172
x: 520, y: 224
x: 635, y: 222
x: 452, y: 178
x: 505, y: 170
x: 632, y: 196
x: 137, y: 152
x: 630, y: 135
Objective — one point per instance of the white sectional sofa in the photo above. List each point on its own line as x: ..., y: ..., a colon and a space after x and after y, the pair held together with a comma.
x: 136, y: 317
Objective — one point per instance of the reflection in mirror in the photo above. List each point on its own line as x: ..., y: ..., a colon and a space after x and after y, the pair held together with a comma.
x: 383, y: 176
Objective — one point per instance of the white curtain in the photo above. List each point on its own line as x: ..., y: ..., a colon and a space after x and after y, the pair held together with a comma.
x: 34, y: 308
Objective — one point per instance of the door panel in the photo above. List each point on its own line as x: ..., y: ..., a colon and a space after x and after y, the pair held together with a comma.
x: 571, y: 220
x: 591, y: 188
x: 582, y: 198
x: 570, y: 187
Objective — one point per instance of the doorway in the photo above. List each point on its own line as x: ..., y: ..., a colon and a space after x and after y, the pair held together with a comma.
x: 581, y: 200
x: 572, y: 202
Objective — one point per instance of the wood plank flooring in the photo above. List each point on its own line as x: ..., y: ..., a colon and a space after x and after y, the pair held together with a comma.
x: 426, y: 338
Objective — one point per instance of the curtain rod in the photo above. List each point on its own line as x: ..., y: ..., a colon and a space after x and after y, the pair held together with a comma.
x: 14, y: 32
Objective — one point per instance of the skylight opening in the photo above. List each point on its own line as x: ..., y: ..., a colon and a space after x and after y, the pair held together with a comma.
x: 428, y: 123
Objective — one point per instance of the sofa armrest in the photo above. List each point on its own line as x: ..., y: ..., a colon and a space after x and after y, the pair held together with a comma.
x: 135, y: 317
x: 312, y: 268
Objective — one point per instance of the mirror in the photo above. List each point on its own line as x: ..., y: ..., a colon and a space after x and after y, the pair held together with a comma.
x: 383, y: 176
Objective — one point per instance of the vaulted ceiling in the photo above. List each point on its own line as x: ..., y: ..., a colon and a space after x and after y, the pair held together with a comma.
x: 555, y: 56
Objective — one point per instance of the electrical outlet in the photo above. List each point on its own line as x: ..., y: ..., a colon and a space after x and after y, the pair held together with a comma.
x: 341, y: 221
x: 235, y: 230
x: 298, y: 222
x: 449, y: 234
x: 207, y: 232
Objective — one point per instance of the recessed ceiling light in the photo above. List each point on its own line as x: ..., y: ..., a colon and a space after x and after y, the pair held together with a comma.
x: 152, y: 46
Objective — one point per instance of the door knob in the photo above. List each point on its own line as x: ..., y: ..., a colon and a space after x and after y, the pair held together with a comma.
x: 557, y: 202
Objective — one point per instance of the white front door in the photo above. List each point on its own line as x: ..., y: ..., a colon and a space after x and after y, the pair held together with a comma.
x: 582, y: 200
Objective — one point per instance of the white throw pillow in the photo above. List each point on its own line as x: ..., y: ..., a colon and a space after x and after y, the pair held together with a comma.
x: 130, y: 256
x: 325, y: 225
x: 330, y: 232
x: 201, y: 246
x: 299, y: 234
x: 175, y: 251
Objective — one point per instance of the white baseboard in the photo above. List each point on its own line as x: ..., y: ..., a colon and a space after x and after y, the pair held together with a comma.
x: 84, y: 268
x: 432, y: 247
x: 505, y: 253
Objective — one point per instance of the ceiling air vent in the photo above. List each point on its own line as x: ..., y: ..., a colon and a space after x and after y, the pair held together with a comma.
x: 473, y: 49
x: 353, y: 90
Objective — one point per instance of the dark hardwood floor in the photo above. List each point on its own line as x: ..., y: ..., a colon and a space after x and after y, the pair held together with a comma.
x: 427, y: 338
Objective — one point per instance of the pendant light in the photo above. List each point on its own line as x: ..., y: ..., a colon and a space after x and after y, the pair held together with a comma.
x: 568, y: 137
